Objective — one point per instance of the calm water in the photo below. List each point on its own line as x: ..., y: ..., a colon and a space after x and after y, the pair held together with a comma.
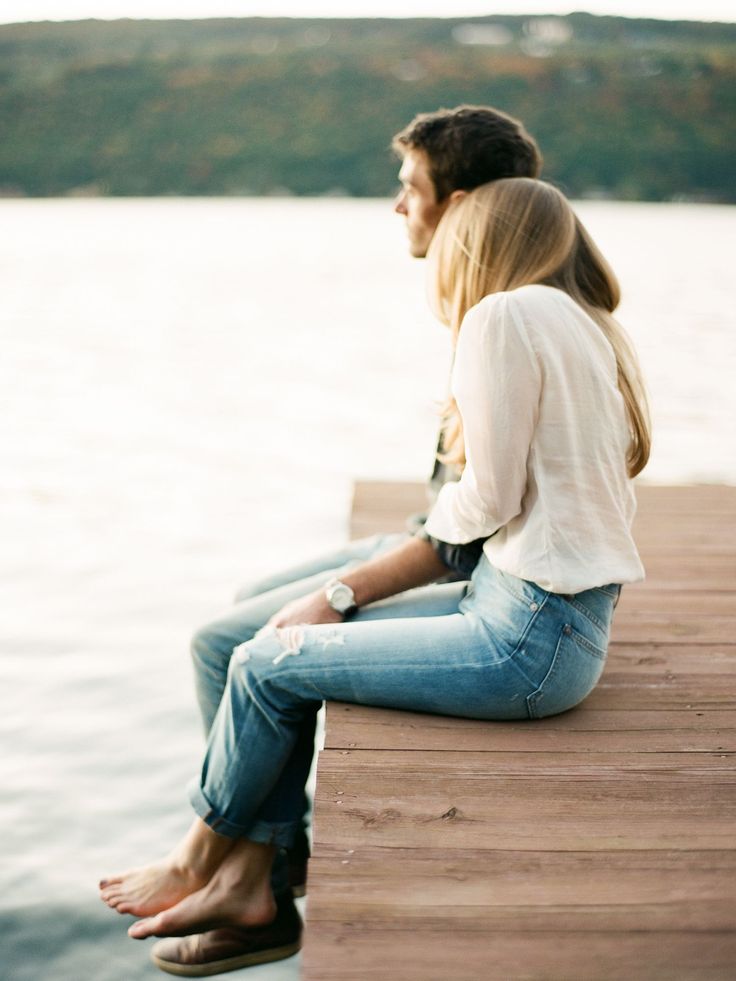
x: 188, y: 390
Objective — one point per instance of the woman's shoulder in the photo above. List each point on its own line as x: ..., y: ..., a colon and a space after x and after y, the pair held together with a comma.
x: 531, y: 295
x: 514, y: 309
x: 526, y: 309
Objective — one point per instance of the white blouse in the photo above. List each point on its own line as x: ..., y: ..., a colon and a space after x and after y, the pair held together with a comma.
x: 546, y: 437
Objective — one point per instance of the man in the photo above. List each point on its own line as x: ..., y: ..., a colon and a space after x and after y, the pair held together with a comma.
x: 444, y: 155
x: 451, y: 151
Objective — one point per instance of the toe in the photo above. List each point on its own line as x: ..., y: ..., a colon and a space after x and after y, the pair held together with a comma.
x: 144, y: 928
x: 110, y: 880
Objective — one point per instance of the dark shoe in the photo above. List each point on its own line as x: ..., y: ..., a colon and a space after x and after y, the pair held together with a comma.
x: 230, y: 948
x: 296, y: 858
x: 298, y: 878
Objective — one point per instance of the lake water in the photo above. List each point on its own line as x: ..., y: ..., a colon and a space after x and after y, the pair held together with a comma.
x: 188, y: 389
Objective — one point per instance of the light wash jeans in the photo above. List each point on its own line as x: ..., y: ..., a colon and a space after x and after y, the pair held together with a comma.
x: 255, y: 604
x: 495, y: 648
x: 213, y: 644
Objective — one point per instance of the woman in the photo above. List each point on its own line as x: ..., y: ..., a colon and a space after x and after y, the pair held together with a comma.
x: 548, y: 423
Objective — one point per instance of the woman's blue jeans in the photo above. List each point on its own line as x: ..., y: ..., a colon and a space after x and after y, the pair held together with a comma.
x: 498, y: 647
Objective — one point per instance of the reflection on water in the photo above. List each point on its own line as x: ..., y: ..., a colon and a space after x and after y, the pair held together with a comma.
x: 189, y: 388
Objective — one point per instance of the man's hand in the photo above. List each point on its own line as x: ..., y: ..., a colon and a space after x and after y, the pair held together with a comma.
x: 312, y: 608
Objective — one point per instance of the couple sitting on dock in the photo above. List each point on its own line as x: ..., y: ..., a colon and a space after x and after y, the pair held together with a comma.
x: 497, y: 606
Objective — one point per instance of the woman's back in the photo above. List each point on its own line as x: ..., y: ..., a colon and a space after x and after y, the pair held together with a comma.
x: 546, y: 438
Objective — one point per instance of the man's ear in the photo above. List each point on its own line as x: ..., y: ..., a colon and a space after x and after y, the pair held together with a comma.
x: 457, y: 195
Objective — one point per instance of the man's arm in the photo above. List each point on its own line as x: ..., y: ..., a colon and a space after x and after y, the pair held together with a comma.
x: 413, y: 563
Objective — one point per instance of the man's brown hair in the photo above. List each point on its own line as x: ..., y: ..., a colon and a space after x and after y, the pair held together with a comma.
x: 469, y: 146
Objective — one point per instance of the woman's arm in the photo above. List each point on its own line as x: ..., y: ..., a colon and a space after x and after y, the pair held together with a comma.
x: 497, y: 384
x: 413, y: 563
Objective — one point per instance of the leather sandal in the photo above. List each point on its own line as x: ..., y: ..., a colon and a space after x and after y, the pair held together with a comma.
x: 229, y: 948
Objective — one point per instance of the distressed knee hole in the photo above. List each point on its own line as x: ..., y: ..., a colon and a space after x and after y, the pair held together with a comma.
x: 332, y: 638
x: 275, y: 643
x: 241, y: 652
x: 292, y: 639
x: 278, y: 643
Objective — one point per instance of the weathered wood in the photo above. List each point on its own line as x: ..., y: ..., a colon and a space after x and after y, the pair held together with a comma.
x: 462, y: 800
x: 645, y: 658
x: 584, y: 730
x: 623, y: 890
x: 356, y: 949
x: 687, y: 601
x: 674, y: 628
x: 596, y: 845
x: 667, y: 693
x: 476, y: 765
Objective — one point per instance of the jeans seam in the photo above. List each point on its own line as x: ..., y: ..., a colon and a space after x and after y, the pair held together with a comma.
x: 535, y: 696
x: 587, y: 614
x: 528, y: 627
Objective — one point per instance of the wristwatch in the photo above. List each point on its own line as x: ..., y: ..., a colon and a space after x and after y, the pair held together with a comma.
x: 340, y: 597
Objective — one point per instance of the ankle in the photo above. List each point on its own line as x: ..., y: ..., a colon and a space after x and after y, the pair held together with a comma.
x: 199, y: 855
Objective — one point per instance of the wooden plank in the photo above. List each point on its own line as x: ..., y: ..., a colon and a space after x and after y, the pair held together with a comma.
x: 633, y: 768
x: 636, y: 599
x: 357, y: 949
x: 673, y: 627
x: 667, y: 678
x: 648, y: 658
x: 663, y: 692
x: 651, y: 663
x: 467, y: 805
x: 542, y: 890
x: 352, y: 727
x: 696, y: 499
x: 550, y: 741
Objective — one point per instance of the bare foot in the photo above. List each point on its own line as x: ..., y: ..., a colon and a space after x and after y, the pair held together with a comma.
x: 147, y: 890
x: 238, y: 894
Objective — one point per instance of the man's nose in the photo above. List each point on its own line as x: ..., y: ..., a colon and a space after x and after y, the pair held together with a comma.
x: 399, y: 203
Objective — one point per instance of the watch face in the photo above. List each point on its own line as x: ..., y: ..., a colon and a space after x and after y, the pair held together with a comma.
x: 340, y: 597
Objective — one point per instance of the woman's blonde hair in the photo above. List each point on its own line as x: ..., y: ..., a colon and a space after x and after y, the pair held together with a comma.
x: 512, y: 233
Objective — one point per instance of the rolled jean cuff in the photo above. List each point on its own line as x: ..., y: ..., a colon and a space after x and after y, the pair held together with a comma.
x: 265, y: 832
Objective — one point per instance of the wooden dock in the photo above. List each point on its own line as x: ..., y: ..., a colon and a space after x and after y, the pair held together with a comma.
x: 600, y: 844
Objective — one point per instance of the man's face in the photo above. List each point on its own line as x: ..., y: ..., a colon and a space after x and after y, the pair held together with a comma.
x: 417, y: 202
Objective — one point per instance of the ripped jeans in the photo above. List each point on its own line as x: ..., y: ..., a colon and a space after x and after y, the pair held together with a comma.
x: 498, y: 647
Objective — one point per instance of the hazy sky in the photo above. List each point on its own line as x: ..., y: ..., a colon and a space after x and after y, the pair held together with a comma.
x: 22, y: 10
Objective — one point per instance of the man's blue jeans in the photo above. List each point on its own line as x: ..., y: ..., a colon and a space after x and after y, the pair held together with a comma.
x: 255, y: 603
x: 498, y: 647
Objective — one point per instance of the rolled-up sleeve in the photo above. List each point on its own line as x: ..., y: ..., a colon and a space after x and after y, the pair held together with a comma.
x: 497, y: 384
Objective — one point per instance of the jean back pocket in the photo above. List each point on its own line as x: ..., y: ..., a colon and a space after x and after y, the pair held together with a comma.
x: 575, y: 669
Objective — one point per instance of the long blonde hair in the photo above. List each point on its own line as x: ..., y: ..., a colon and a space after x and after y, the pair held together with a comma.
x: 512, y: 233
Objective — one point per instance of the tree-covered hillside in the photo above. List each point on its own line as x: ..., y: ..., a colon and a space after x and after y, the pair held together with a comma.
x: 628, y: 108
